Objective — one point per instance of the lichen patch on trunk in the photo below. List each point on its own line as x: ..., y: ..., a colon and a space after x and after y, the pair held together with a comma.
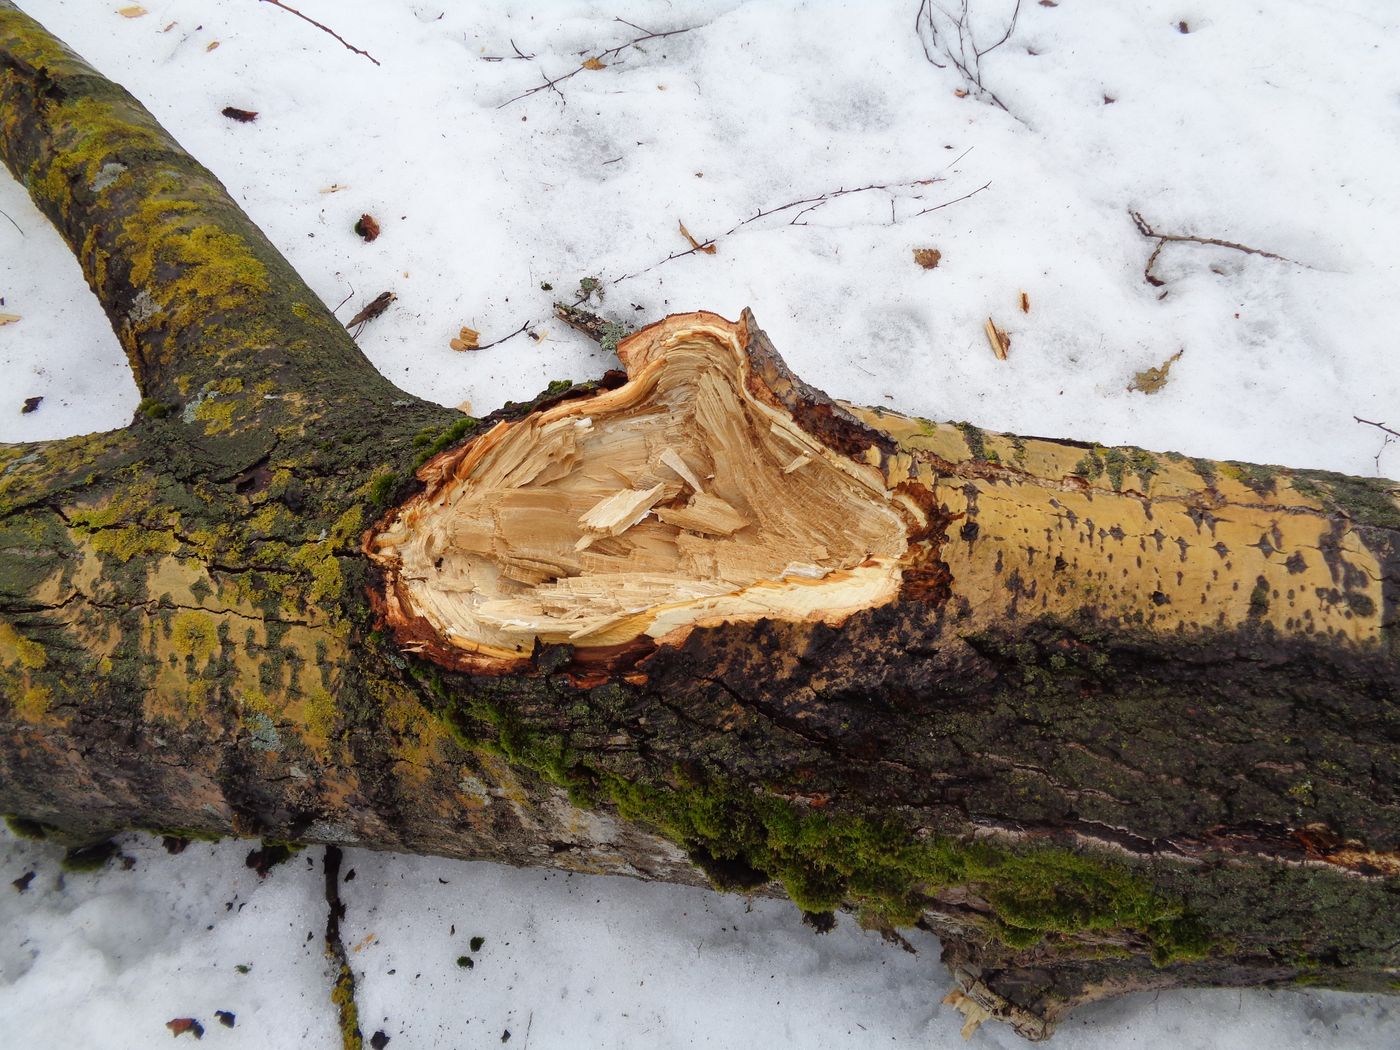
x: 689, y: 496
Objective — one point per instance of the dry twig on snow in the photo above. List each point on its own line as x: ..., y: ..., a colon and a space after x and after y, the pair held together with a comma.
x: 597, y: 61
x: 952, y: 35
x: 1163, y: 239
x: 807, y: 205
x: 1391, y: 436
x: 324, y: 28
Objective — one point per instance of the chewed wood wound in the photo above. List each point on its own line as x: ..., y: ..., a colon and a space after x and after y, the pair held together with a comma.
x: 689, y: 496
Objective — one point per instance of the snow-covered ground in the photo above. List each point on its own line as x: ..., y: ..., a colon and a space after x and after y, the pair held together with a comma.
x: 1275, y: 127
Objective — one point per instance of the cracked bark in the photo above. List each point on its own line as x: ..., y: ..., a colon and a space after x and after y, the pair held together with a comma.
x: 1129, y: 722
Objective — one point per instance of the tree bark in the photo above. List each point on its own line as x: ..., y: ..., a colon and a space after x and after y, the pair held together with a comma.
x: 1119, y: 721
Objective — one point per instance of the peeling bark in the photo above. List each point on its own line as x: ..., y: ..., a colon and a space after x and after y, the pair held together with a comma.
x: 1118, y: 720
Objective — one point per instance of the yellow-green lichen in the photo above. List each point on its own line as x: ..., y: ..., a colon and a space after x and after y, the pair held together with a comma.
x: 194, y: 634
x: 15, y: 649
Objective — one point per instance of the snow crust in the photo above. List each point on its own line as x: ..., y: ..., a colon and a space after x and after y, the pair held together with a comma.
x: 1272, y: 126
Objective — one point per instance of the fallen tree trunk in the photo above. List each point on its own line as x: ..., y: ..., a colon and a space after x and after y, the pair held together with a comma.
x: 1105, y: 720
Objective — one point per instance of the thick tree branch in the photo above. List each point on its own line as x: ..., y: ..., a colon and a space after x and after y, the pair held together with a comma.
x: 1102, y: 718
x: 194, y: 290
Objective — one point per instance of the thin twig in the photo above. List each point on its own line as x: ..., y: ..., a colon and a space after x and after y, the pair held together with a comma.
x: 12, y: 221
x: 486, y: 346
x: 1390, y: 438
x: 1378, y: 426
x: 1010, y: 28
x: 1163, y: 239
x: 933, y: 32
x: 806, y: 206
x: 324, y: 28
x: 969, y: 68
x: 552, y: 84
x: 501, y: 58
x: 955, y: 200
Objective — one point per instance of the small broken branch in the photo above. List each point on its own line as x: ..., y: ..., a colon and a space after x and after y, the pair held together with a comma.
x: 955, y: 200
x: 1391, y: 436
x: 376, y: 306
x: 1163, y: 239
x: 324, y: 28
x: 594, y: 62
x: 501, y: 58
x: 497, y: 342
x: 806, y: 206
x: 1378, y: 426
x: 967, y: 57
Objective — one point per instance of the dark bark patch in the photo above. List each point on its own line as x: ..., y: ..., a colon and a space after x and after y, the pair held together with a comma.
x: 243, y: 116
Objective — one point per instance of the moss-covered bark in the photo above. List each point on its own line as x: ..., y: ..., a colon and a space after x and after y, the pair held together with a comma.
x: 1139, y: 729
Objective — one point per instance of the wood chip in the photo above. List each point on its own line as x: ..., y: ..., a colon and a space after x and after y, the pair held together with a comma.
x: 213, y: 45
x: 334, y: 187
x: 998, y: 339
x: 705, y: 514
x: 593, y: 63
x: 31, y: 404
x: 707, y: 248
x: 243, y: 116
x: 928, y: 258
x: 1025, y: 303
x: 8, y: 319
x: 467, y: 339
x: 613, y: 515
x: 134, y: 11
x: 672, y: 459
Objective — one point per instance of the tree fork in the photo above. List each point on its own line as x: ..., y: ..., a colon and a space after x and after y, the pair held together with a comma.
x: 1105, y: 720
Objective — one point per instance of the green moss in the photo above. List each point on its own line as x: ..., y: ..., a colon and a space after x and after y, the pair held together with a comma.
x: 381, y: 487
x: 477, y: 942
x: 1090, y: 465
x: 976, y: 441
x: 154, y: 408
x: 1144, y: 464
x: 433, y: 445
x: 1261, y: 479
x: 1115, y: 462
x: 826, y: 860
x: 1367, y: 501
x: 24, y: 828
